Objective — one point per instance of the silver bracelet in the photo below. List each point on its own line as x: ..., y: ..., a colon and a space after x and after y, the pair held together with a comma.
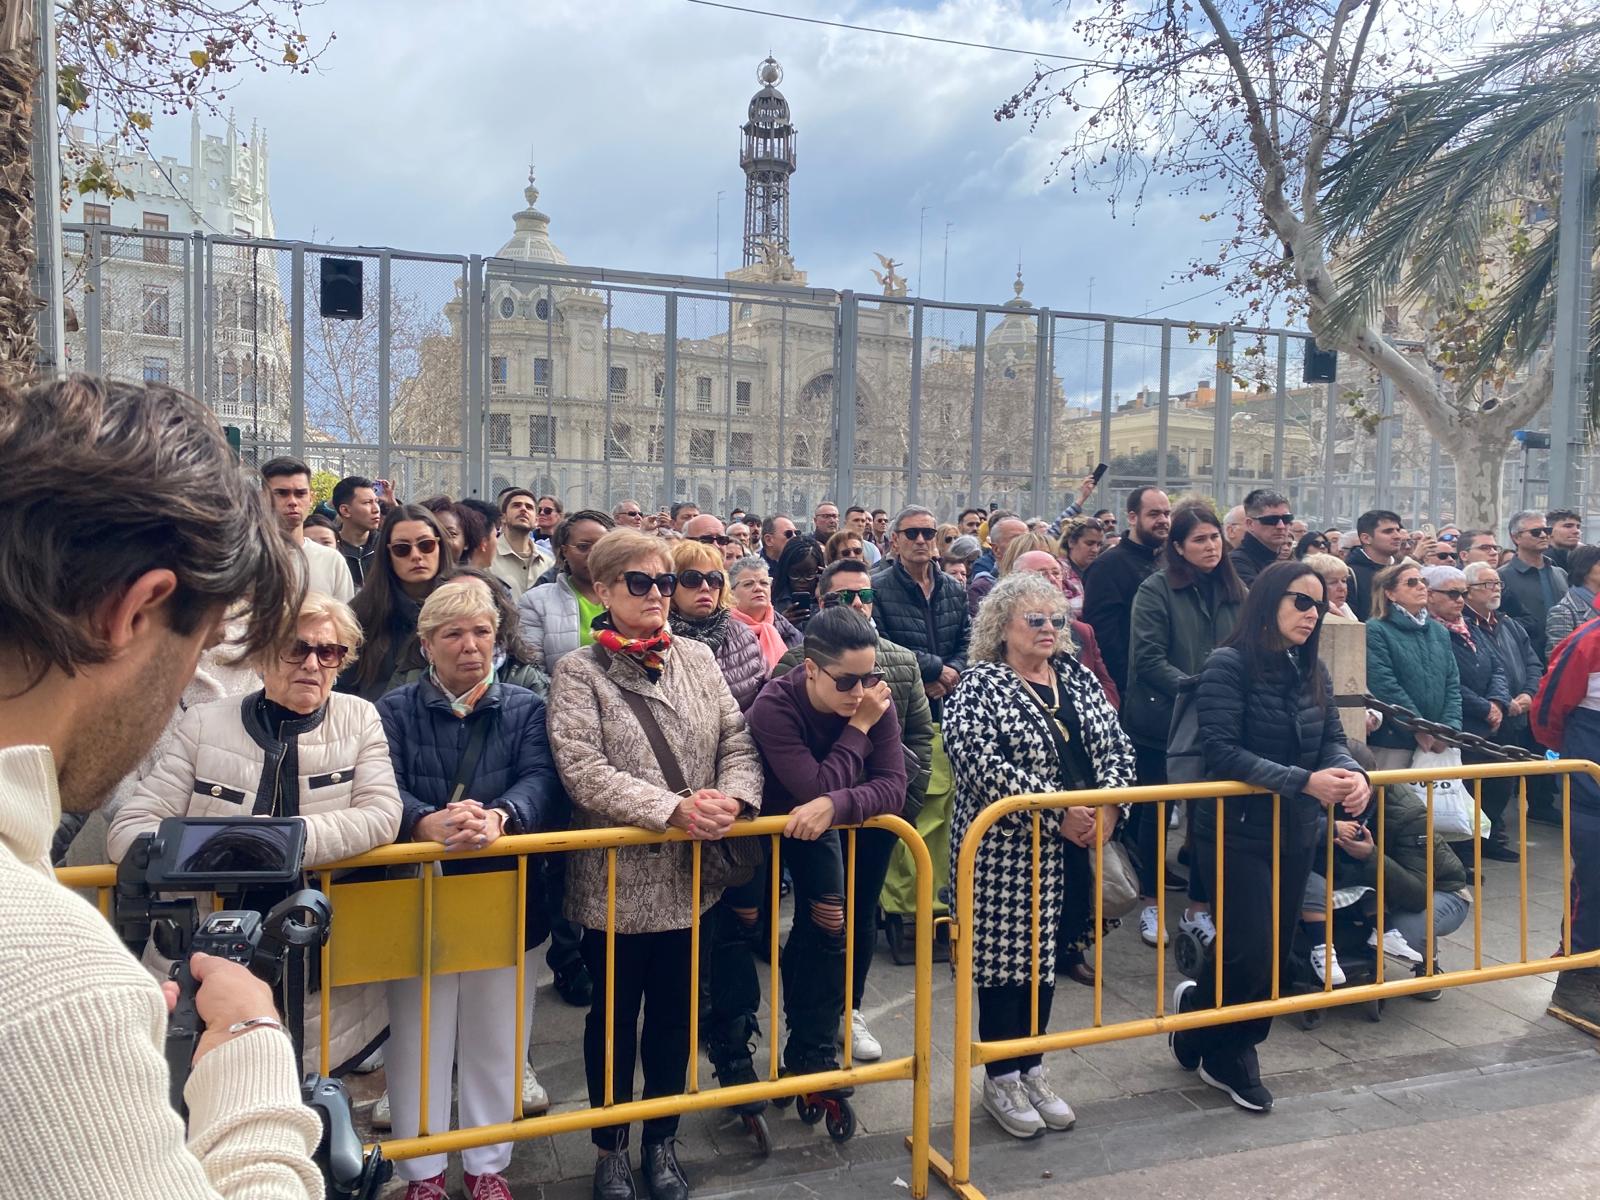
x: 257, y: 1023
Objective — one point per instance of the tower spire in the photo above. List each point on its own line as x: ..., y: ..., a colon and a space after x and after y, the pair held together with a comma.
x: 767, y: 156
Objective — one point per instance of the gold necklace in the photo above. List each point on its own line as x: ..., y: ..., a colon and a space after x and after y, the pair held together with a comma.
x: 1053, y: 710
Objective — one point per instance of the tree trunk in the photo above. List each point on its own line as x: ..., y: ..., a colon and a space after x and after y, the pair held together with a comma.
x: 19, y: 347
x: 1480, y: 459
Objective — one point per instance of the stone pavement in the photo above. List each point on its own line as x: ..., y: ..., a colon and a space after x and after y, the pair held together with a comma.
x: 1138, y: 1112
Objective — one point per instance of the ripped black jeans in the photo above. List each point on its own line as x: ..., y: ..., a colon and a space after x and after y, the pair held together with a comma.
x: 813, y: 957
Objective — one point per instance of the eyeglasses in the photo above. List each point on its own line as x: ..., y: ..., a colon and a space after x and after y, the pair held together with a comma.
x: 918, y: 533
x: 639, y: 584
x: 848, y: 683
x: 1413, y: 582
x: 695, y: 580
x: 547, y: 511
x: 1536, y: 531
x: 753, y: 581
x: 1447, y: 537
x: 713, y: 539
x: 789, y: 533
x: 1451, y: 593
x: 1038, y: 620
x: 1443, y: 556
x: 1318, y: 544
x: 631, y: 512
x: 423, y: 546
x: 849, y: 596
x: 1494, y: 585
x: 1305, y: 603
x: 1274, y: 519
x: 329, y: 654
x: 855, y: 553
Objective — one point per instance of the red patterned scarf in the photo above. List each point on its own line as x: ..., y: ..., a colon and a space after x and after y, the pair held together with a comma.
x: 647, y: 652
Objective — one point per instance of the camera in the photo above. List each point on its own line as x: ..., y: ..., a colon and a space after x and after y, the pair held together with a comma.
x: 252, y: 864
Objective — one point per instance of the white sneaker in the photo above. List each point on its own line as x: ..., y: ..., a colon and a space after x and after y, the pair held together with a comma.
x: 1052, y: 1109
x: 381, y: 1117
x: 1395, y: 945
x: 535, y: 1100
x: 1325, y: 962
x: 1008, y: 1104
x: 863, y: 1046
x: 370, y: 1063
x: 1200, y: 924
x: 1150, y: 928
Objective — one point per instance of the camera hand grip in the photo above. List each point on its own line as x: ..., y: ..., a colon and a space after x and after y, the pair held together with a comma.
x: 183, y: 1033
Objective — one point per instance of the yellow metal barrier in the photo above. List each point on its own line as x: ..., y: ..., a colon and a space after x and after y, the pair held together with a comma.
x: 970, y: 1053
x: 455, y: 917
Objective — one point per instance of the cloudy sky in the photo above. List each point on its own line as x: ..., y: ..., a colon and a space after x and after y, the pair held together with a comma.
x: 418, y: 130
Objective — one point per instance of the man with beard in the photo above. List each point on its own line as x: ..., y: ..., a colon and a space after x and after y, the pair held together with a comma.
x: 519, y: 562
x: 1113, y: 578
x: 287, y: 483
x: 107, y: 598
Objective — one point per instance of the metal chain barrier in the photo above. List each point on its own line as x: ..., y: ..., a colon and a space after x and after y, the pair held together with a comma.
x: 1410, y: 722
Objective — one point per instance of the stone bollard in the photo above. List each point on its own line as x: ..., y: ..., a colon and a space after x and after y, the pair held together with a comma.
x: 1344, y: 650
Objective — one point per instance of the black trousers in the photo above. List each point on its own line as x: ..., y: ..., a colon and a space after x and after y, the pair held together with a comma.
x: 1498, y: 796
x: 566, y: 937
x: 652, y: 971
x: 1246, y: 934
x: 813, y: 957
x: 1003, y: 1013
x: 1150, y: 770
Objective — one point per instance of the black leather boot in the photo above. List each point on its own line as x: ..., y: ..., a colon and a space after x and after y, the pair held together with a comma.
x: 613, y: 1177
x: 662, y: 1174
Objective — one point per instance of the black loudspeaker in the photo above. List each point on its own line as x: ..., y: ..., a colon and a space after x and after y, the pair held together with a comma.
x: 341, y: 288
x: 1321, y: 366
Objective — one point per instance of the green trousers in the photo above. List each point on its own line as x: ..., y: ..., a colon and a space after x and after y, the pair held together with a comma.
x: 933, y: 823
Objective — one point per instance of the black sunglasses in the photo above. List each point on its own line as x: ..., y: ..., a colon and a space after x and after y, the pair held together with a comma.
x: 1452, y: 593
x: 1037, y: 620
x: 328, y: 654
x: 848, y: 596
x: 695, y: 580
x: 714, y: 539
x: 403, y: 549
x: 1305, y: 603
x: 1274, y: 519
x: 547, y: 512
x: 631, y: 512
x: 639, y: 584
x: 846, y: 683
x: 789, y: 533
x: 1318, y: 544
x: 918, y: 533
x: 1537, y: 531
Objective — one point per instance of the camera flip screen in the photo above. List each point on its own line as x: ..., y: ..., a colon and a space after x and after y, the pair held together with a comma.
x: 199, y: 852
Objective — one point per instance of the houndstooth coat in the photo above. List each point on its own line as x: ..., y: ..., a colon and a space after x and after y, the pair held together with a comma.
x: 999, y: 746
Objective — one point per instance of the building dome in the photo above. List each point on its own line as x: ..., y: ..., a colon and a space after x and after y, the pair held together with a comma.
x: 530, y: 241
x: 1018, y: 329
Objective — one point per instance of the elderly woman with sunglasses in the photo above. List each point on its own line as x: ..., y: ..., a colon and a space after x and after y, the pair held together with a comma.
x: 1409, y: 663
x: 700, y: 610
x: 296, y: 748
x: 1336, y: 578
x: 605, y: 700
x: 1027, y: 717
x: 750, y: 583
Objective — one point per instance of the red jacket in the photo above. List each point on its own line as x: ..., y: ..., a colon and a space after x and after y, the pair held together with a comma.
x: 1089, y: 656
x: 1572, y: 676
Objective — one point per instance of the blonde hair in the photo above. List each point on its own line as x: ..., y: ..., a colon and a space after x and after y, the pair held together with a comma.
x: 318, y: 606
x: 612, y: 554
x: 1328, y: 564
x: 1383, y: 581
x: 697, y: 556
x: 1022, y: 544
x: 988, y: 643
x: 453, y: 601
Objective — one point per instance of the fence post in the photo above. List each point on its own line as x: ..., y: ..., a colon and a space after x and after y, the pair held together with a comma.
x: 297, y: 351
x: 975, y: 460
x: 1383, y: 463
x: 914, y: 436
x: 1043, y: 416
x: 477, y: 355
x: 1163, y: 412
x: 844, y: 444
x: 669, y: 403
x: 1329, y: 500
x: 197, y: 262
x: 1573, y: 303
x: 1280, y: 419
x: 1222, y: 435
x: 1108, y: 362
x: 94, y: 312
x: 385, y: 330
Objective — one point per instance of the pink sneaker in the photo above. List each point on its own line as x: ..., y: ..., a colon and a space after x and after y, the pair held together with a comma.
x: 488, y: 1186
x: 427, y: 1189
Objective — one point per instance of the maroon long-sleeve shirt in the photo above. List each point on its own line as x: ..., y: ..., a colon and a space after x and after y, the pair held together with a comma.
x: 806, y: 753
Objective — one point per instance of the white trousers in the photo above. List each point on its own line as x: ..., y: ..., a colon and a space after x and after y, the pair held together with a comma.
x: 473, y: 1029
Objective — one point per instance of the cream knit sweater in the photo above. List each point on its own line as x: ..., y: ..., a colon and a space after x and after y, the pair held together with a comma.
x: 83, y: 1081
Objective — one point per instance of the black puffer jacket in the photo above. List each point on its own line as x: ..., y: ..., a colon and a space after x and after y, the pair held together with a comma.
x: 934, y: 629
x: 1108, y: 589
x: 1482, y: 680
x: 1270, y: 733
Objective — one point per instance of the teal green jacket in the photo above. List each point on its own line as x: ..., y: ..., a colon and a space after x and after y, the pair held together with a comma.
x: 1414, y: 666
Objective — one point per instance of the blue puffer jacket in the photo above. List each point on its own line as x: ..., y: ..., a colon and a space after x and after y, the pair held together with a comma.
x: 515, y: 771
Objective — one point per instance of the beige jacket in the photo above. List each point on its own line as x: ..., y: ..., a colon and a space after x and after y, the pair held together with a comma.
x: 223, y: 763
x: 611, y: 774
x: 82, y: 1027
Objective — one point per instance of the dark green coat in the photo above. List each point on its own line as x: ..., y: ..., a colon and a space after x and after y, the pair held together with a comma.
x: 1414, y: 666
x: 1173, y: 629
x: 904, y: 677
x: 1405, y: 844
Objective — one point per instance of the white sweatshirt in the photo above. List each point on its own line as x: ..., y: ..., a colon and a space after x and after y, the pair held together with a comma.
x: 83, y: 1092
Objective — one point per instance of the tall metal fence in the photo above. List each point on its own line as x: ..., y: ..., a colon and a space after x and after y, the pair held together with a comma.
x: 465, y: 374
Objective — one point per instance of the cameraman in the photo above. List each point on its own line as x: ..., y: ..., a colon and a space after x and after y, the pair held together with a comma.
x: 126, y: 532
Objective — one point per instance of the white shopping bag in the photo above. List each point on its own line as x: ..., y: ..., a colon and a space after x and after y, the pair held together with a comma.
x: 1452, y: 797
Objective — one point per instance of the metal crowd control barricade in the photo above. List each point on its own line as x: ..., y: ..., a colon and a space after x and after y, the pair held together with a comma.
x: 437, y: 924
x: 970, y: 1053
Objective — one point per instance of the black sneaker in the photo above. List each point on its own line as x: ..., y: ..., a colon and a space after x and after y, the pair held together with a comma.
x: 1500, y: 851
x: 574, y: 985
x: 1178, y: 1043
x: 1240, y: 1080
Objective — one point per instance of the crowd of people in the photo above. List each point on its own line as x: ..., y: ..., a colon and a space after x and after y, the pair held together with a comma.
x: 456, y: 671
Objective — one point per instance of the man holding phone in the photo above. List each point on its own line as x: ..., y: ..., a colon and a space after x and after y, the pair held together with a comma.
x: 1086, y: 489
x: 113, y: 596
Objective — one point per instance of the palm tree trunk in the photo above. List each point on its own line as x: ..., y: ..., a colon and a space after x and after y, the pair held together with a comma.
x: 19, y: 348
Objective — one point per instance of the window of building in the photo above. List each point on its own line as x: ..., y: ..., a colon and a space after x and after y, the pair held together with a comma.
x: 156, y: 370
x: 744, y: 310
x: 156, y: 314
x: 541, y: 310
x: 1266, y: 465
x: 498, y: 374
x: 541, y: 434
x: 741, y: 449
x: 230, y: 379
x: 618, y: 381
x: 660, y: 386
x: 155, y: 249
x: 1238, y: 461
x: 1205, y: 460
x: 97, y: 214
x: 800, y: 455
x: 702, y: 447
x: 243, y: 230
x: 541, y: 377
x: 1088, y: 460
x: 499, y: 433
x: 247, y: 387
x: 247, y: 308
x: 741, y: 398
x: 657, y: 443
x: 508, y: 307
x: 617, y: 441
x: 702, y: 394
